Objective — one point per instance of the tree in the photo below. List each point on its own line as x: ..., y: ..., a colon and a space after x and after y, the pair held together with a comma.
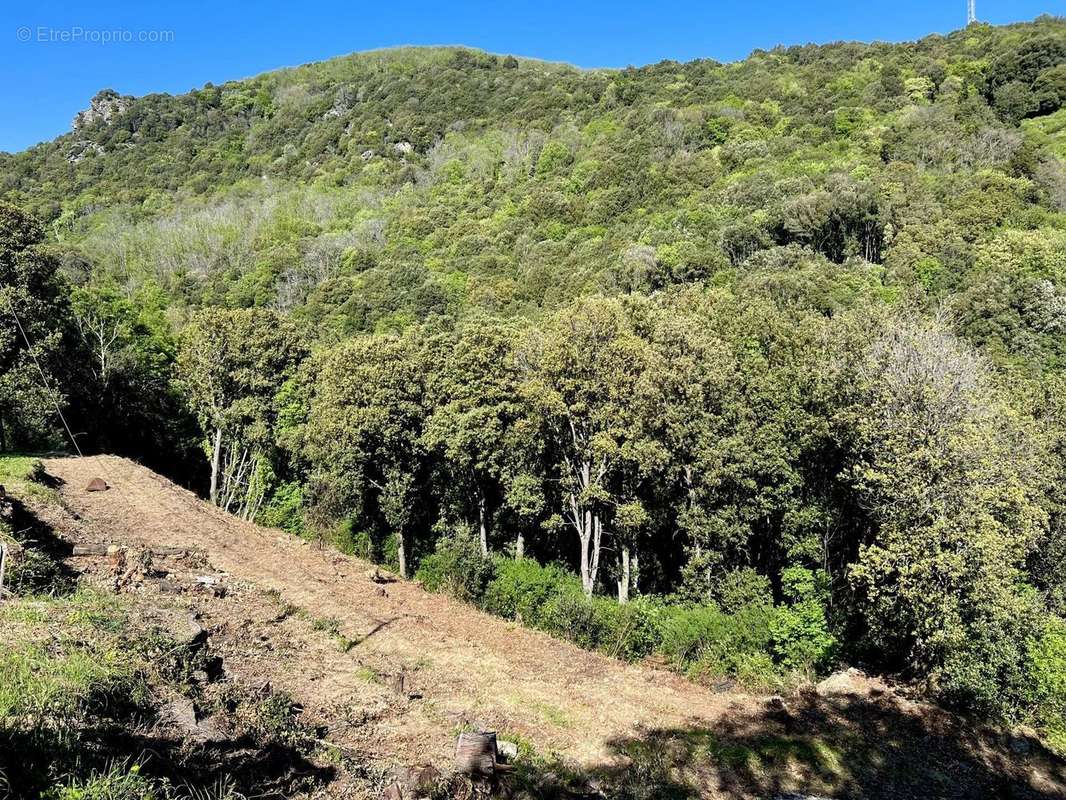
x: 34, y: 308
x: 594, y: 381
x: 231, y: 365
x: 364, y: 433
x: 950, y: 483
x: 475, y: 415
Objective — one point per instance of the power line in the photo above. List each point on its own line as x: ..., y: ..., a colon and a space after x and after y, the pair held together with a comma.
x: 44, y: 378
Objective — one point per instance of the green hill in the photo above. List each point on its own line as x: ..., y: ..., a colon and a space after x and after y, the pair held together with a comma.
x: 438, y: 179
x: 754, y: 369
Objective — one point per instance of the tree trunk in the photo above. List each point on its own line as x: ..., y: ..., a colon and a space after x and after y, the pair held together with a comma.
x: 3, y: 435
x: 216, y: 465
x: 624, y: 576
x: 520, y: 546
x: 591, y: 538
x: 483, y: 527
x: 401, y: 555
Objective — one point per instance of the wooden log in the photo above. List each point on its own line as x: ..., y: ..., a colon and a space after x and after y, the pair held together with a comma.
x: 90, y: 550
x: 475, y: 753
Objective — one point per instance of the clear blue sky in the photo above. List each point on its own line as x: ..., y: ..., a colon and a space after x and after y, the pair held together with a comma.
x: 46, y: 80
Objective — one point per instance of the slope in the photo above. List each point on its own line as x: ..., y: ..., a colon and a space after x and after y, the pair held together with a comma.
x: 627, y: 730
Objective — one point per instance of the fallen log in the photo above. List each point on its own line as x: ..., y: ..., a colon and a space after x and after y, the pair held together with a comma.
x: 90, y: 550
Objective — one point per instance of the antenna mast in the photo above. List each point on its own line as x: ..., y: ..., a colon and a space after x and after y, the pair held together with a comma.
x: 971, y: 12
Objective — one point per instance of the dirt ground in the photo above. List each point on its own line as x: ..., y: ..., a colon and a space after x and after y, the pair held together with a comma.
x: 309, y: 621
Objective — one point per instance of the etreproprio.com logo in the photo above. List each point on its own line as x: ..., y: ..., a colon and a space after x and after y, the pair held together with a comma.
x: 79, y: 35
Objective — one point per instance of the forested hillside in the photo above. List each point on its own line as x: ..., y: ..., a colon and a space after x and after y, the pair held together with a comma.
x: 758, y: 367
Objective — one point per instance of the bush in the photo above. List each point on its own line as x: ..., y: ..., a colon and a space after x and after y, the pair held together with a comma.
x: 118, y: 783
x: 522, y: 589
x: 631, y: 630
x: 457, y: 568
x: 1047, y: 667
x: 708, y: 640
x: 284, y: 509
x: 571, y: 615
x: 800, y: 631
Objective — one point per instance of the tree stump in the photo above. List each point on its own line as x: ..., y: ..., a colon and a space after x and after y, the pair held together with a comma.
x: 475, y: 753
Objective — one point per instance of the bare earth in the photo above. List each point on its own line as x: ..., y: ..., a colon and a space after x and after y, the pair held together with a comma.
x: 285, y: 598
x: 470, y: 666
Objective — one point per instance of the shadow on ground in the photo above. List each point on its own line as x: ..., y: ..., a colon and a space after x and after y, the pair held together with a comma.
x: 37, y: 567
x: 244, y: 765
x: 866, y: 748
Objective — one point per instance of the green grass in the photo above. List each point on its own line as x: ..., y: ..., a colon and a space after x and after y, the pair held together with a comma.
x: 61, y: 656
x: 20, y: 475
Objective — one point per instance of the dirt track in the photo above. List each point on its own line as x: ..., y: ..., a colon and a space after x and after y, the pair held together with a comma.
x: 467, y: 665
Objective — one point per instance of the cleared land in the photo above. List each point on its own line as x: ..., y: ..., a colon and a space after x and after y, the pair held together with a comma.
x: 310, y: 621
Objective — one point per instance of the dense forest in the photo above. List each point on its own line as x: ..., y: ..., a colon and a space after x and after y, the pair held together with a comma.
x: 760, y: 367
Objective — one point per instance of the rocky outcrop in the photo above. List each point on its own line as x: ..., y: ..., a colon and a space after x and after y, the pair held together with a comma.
x: 104, y: 107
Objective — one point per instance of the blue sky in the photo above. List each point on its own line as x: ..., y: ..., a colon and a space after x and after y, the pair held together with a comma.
x: 55, y: 56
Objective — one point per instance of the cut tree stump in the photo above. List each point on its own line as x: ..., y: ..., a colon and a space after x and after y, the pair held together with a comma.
x: 97, y: 485
x: 475, y: 753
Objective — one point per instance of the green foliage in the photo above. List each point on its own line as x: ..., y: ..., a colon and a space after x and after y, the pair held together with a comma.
x: 522, y: 589
x: 1047, y: 665
x: 801, y: 639
x: 780, y: 340
x: 33, y: 309
x: 118, y: 783
x: 457, y: 568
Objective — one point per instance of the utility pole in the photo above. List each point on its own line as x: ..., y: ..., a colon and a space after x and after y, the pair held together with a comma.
x: 971, y: 12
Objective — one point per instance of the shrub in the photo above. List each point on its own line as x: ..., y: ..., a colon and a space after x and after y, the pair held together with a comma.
x: 522, y: 588
x: 1047, y: 667
x: 284, y: 509
x: 800, y: 632
x: 711, y: 641
x: 457, y: 568
x: 118, y: 783
x: 571, y: 615
x: 631, y: 630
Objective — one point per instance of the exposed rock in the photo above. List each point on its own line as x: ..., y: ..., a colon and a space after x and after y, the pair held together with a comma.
x: 105, y: 106
x: 342, y: 103
x: 508, y: 750
x: 366, y: 155
x: 1019, y: 745
x: 403, y: 148
x: 378, y: 575
x: 192, y: 634
x: 392, y: 792
x: 777, y: 703
x: 849, y: 681
x: 97, y: 485
x: 80, y: 149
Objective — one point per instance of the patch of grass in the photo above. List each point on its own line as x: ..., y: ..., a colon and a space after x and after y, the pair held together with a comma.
x: 368, y: 675
x: 550, y: 714
x: 23, y: 477
x: 62, y: 657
